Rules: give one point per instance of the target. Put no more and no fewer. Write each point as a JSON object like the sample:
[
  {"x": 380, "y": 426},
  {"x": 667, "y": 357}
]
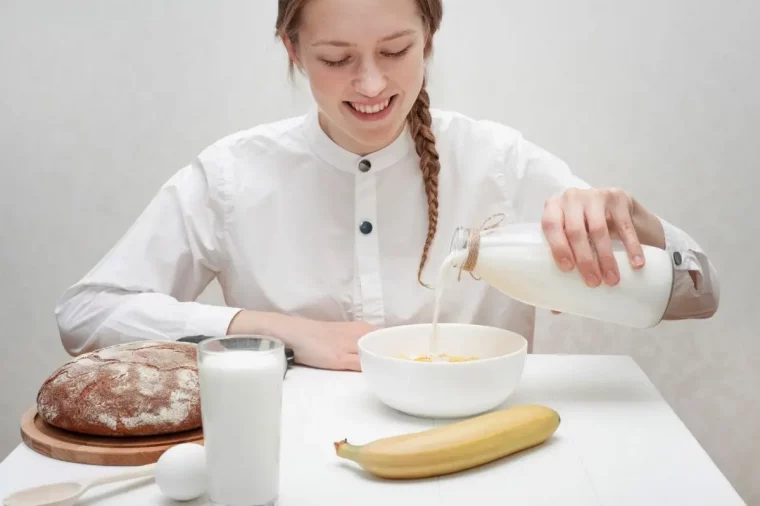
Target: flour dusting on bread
[{"x": 141, "y": 388}]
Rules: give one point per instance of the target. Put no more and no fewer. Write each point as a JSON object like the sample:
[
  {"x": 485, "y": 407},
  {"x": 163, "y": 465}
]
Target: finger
[
  {"x": 553, "y": 225},
  {"x": 621, "y": 215},
  {"x": 596, "y": 219},
  {"x": 575, "y": 229},
  {"x": 350, "y": 361}
]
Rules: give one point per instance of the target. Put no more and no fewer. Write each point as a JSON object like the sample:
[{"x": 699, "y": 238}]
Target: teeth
[{"x": 370, "y": 109}]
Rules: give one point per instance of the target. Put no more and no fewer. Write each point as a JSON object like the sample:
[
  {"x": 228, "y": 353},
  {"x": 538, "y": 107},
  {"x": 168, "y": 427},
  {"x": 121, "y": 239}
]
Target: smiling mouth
[{"x": 377, "y": 111}]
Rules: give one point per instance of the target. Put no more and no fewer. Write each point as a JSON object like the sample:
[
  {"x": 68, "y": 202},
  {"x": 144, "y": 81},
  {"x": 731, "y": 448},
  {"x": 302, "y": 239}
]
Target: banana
[{"x": 456, "y": 446}]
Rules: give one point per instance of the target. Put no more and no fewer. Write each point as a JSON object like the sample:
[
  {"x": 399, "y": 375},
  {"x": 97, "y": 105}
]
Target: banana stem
[{"x": 345, "y": 449}]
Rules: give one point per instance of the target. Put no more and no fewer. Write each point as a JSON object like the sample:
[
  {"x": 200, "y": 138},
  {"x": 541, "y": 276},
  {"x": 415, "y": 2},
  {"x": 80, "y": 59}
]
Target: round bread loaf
[{"x": 134, "y": 389}]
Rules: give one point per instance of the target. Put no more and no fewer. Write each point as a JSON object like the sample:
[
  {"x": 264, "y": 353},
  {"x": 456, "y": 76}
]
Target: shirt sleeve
[
  {"x": 696, "y": 288},
  {"x": 145, "y": 287},
  {"x": 540, "y": 175}
]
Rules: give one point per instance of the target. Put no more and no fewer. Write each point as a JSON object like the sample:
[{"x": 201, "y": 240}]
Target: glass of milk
[{"x": 241, "y": 381}]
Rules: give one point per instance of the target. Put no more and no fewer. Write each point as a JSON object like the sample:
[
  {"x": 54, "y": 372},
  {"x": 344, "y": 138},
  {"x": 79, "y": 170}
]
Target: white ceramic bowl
[{"x": 443, "y": 389}]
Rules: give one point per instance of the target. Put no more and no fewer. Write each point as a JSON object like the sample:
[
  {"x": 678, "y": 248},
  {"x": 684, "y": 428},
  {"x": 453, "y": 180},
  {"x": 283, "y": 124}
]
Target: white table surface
[{"x": 619, "y": 443}]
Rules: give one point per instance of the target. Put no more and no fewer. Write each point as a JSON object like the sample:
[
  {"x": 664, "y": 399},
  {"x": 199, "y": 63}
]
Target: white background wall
[{"x": 100, "y": 102}]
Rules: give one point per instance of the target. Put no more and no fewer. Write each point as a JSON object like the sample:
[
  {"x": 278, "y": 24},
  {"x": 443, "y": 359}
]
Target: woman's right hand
[{"x": 320, "y": 344}]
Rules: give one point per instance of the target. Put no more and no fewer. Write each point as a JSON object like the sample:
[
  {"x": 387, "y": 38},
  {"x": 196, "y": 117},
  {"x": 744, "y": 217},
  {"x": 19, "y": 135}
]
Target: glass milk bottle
[
  {"x": 241, "y": 380},
  {"x": 516, "y": 259}
]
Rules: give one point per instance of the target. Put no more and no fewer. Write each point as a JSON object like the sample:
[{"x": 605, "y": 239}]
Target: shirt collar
[{"x": 343, "y": 159}]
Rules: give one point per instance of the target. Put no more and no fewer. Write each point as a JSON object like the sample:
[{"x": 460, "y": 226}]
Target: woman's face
[{"x": 364, "y": 60}]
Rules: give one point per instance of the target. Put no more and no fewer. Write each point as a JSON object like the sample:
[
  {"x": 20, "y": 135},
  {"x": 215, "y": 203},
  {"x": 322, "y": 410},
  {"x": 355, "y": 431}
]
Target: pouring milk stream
[{"x": 516, "y": 259}]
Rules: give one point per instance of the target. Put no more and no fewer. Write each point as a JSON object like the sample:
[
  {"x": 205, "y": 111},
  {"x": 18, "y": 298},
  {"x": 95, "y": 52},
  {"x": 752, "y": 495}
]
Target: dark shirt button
[
  {"x": 365, "y": 165},
  {"x": 365, "y": 227},
  {"x": 677, "y": 258}
]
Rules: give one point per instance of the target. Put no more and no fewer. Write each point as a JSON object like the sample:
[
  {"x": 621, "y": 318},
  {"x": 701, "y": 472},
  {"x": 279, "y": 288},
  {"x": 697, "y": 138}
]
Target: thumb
[{"x": 351, "y": 362}]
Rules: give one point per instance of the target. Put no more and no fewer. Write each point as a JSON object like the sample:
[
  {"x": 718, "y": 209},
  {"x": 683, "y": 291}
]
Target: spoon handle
[{"x": 138, "y": 472}]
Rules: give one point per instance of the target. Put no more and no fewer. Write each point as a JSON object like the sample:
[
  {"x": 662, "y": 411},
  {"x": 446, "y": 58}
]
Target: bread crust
[{"x": 144, "y": 388}]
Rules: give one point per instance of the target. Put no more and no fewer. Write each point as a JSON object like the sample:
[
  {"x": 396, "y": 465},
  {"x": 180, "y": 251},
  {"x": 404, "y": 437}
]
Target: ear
[{"x": 292, "y": 51}]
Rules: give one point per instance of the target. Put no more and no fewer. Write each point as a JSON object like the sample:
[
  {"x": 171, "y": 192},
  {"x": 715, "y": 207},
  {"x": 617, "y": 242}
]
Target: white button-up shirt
[{"x": 290, "y": 222}]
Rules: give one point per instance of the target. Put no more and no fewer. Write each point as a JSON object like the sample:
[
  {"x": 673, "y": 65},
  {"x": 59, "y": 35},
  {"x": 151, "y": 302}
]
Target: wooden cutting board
[{"x": 68, "y": 446}]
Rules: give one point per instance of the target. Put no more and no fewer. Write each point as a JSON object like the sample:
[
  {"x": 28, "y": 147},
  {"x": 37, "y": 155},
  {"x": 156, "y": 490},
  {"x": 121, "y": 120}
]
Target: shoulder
[
  {"x": 211, "y": 176},
  {"x": 489, "y": 144},
  {"x": 453, "y": 125},
  {"x": 250, "y": 152},
  {"x": 492, "y": 140},
  {"x": 266, "y": 138}
]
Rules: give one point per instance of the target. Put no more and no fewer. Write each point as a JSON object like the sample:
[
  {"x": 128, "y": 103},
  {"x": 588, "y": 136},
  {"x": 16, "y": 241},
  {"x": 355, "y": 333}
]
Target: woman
[{"x": 323, "y": 227}]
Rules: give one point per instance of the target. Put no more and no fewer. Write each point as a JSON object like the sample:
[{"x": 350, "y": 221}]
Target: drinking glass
[{"x": 241, "y": 381}]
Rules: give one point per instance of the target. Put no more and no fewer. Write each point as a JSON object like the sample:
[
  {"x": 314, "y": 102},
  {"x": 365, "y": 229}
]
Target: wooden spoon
[{"x": 67, "y": 493}]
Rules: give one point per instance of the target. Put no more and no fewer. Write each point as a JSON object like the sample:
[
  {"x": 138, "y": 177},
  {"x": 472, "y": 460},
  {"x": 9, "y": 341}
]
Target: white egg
[{"x": 181, "y": 471}]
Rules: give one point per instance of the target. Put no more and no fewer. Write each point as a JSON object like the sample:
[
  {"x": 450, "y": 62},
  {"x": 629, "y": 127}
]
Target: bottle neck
[{"x": 460, "y": 241}]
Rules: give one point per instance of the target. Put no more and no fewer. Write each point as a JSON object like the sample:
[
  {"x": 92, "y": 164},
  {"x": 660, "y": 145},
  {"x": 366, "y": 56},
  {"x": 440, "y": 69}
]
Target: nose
[{"x": 371, "y": 80}]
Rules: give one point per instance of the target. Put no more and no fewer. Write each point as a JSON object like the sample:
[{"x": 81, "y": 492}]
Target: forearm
[
  {"x": 323, "y": 344},
  {"x": 256, "y": 322},
  {"x": 91, "y": 318},
  {"x": 540, "y": 176},
  {"x": 276, "y": 325}
]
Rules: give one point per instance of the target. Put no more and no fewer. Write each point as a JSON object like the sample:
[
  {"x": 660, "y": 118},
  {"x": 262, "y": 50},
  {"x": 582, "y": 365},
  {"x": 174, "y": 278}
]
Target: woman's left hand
[{"x": 579, "y": 225}]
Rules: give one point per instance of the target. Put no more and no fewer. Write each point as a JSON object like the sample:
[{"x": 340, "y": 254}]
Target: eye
[
  {"x": 398, "y": 54},
  {"x": 339, "y": 63}
]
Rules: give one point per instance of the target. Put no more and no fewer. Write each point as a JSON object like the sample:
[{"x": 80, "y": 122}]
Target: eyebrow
[{"x": 340, "y": 43}]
